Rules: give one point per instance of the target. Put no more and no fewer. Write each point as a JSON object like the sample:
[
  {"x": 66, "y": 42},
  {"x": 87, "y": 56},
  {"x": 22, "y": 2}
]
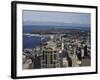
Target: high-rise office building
[
  {"x": 65, "y": 62},
  {"x": 85, "y": 51},
  {"x": 50, "y": 56},
  {"x": 74, "y": 57},
  {"x": 82, "y": 52}
]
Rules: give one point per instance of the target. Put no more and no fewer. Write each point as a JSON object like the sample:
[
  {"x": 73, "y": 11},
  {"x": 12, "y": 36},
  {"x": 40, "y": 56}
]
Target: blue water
[{"x": 32, "y": 42}]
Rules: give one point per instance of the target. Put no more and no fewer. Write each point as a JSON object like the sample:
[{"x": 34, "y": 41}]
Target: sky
[{"x": 31, "y": 16}]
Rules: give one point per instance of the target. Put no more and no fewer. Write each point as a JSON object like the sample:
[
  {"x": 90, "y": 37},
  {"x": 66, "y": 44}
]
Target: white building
[{"x": 65, "y": 62}]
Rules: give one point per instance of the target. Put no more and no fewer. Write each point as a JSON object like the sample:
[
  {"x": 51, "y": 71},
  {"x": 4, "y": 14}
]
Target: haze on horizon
[{"x": 31, "y": 17}]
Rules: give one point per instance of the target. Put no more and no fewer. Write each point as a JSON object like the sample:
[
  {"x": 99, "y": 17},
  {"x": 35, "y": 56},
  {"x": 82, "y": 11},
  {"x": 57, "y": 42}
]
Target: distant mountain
[
  {"x": 56, "y": 24},
  {"x": 42, "y": 26}
]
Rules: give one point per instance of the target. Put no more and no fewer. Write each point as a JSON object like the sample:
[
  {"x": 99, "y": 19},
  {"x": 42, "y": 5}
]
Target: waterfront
[
  {"x": 54, "y": 39},
  {"x": 72, "y": 46},
  {"x": 31, "y": 42}
]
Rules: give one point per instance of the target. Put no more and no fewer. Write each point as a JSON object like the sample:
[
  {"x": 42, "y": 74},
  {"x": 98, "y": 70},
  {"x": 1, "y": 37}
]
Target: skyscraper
[
  {"x": 50, "y": 56},
  {"x": 85, "y": 51}
]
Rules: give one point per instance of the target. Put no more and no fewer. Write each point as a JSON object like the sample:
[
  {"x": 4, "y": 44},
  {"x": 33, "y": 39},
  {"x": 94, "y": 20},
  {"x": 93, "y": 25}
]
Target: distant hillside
[{"x": 54, "y": 26}]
